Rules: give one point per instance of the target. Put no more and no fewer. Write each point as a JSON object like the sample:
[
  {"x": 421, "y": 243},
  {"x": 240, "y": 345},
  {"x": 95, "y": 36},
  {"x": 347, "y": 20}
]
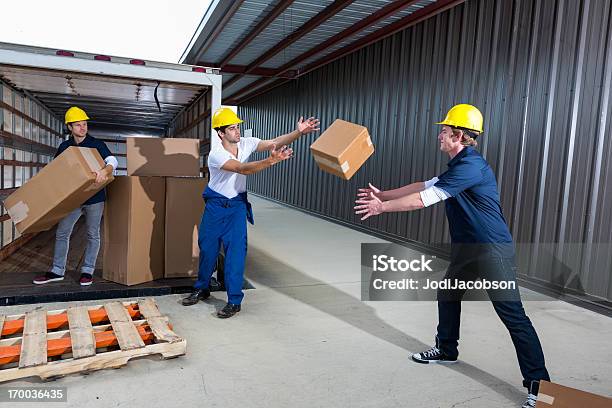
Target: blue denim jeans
[
  {"x": 508, "y": 308},
  {"x": 93, "y": 216}
]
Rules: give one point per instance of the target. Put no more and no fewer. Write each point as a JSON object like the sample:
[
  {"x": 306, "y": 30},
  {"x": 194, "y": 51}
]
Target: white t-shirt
[{"x": 224, "y": 182}]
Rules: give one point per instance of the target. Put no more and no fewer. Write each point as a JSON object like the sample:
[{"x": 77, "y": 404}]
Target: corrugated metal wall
[{"x": 541, "y": 72}]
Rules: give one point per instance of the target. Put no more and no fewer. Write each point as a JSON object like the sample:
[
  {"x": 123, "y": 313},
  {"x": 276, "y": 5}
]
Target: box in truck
[
  {"x": 184, "y": 208},
  {"x": 148, "y": 156},
  {"x": 58, "y": 189},
  {"x": 124, "y": 97},
  {"x": 134, "y": 223}
]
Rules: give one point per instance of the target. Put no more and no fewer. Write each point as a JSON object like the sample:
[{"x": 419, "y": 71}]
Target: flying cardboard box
[
  {"x": 57, "y": 189},
  {"x": 184, "y": 208},
  {"x": 553, "y": 395},
  {"x": 154, "y": 156},
  {"x": 134, "y": 218},
  {"x": 342, "y": 149}
]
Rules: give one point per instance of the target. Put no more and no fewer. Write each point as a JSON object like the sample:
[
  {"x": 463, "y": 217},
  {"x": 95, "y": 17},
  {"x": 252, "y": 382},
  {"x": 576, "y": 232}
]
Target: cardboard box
[
  {"x": 342, "y": 149},
  {"x": 184, "y": 208},
  {"x": 553, "y": 395},
  {"x": 59, "y": 188},
  {"x": 154, "y": 156},
  {"x": 134, "y": 218}
]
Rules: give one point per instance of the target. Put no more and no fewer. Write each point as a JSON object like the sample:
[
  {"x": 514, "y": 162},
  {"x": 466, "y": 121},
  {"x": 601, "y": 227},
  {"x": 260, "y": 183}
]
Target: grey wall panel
[{"x": 541, "y": 72}]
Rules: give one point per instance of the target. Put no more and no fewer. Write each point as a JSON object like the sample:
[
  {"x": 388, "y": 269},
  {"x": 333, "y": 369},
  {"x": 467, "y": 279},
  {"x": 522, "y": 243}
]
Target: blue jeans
[
  {"x": 508, "y": 308},
  {"x": 93, "y": 216}
]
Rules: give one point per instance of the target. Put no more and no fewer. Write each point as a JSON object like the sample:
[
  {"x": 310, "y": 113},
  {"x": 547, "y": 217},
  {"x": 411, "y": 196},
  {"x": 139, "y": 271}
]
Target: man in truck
[
  {"x": 481, "y": 244},
  {"x": 76, "y": 121},
  {"x": 227, "y": 209}
]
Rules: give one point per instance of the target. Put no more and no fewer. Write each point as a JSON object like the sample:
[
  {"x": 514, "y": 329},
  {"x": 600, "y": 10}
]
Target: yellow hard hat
[
  {"x": 224, "y": 117},
  {"x": 464, "y": 116},
  {"x": 75, "y": 114}
]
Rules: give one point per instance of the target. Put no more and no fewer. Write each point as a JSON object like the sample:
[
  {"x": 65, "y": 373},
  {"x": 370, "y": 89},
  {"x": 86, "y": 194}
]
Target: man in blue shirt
[
  {"x": 76, "y": 121},
  {"x": 481, "y": 244}
]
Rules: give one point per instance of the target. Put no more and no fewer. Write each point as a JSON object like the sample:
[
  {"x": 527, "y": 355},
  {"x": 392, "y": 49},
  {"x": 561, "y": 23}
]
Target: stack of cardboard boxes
[{"x": 152, "y": 215}]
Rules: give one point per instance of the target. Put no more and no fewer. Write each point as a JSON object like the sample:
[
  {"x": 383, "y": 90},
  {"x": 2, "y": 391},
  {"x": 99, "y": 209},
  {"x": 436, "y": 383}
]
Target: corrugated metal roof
[
  {"x": 248, "y": 15},
  {"x": 291, "y": 19},
  {"x": 399, "y": 15},
  {"x": 241, "y": 18},
  {"x": 352, "y": 14}
]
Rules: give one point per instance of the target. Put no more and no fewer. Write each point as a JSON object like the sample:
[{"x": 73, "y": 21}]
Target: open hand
[
  {"x": 306, "y": 126},
  {"x": 281, "y": 154},
  {"x": 364, "y": 193},
  {"x": 369, "y": 206}
]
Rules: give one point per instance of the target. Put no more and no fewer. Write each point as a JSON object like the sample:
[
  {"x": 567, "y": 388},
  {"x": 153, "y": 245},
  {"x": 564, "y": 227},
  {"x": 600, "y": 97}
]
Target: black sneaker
[
  {"x": 433, "y": 356},
  {"x": 196, "y": 296},
  {"x": 228, "y": 311},
  {"x": 86, "y": 279},
  {"x": 48, "y": 277},
  {"x": 532, "y": 395},
  {"x": 530, "y": 402}
]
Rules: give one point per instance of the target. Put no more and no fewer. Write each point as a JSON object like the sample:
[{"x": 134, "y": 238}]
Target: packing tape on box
[
  {"x": 18, "y": 212},
  {"x": 370, "y": 141},
  {"x": 546, "y": 399},
  {"x": 344, "y": 167},
  {"x": 90, "y": 159}
]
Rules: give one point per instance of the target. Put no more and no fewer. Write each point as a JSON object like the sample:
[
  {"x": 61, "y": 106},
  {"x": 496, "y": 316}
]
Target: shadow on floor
[{"x": 265, "y": 269}]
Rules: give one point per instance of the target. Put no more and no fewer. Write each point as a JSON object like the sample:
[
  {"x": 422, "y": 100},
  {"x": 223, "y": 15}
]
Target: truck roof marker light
[
  {"x": 63, "y": 53},
  {"x": 102, "y": 58},
  {"x": 198, "y": 69},
  {"x": 137, "y": 62}
]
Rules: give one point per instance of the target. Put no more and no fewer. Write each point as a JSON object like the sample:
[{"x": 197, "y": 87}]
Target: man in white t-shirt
[{"x": 227, "y": 208}]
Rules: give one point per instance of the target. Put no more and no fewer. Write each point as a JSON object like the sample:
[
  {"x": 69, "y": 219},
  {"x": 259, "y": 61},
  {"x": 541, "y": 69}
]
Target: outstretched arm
[
  {"x": 374, "y": 206},
  {"x": 392, "y": 194},
  {"x": 303, "y": 127},
  {"x": 276, "y": 156}
]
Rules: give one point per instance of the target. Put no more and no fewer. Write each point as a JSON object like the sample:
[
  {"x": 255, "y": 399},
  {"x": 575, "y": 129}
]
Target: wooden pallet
[{"x": 81, "y": 339}]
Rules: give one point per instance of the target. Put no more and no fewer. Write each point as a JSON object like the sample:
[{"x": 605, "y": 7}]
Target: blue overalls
[{"x": 224, "y": 221}]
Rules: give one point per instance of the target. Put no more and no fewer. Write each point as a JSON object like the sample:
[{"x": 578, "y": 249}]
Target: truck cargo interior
[{"x": 124, "y": 98}]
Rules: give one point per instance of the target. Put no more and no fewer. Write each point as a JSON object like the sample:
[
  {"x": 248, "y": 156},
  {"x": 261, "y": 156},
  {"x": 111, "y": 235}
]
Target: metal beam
[
  {"x": 402, "y": 24},
  {"x": 220, "y": 26},
  {"x": 259, "y": 91},
  {"x": 307, "y": 27},
  {"x": 93, "y": 99},
  {"x": 247, "y": 88},
  {"x": 117, "y": 109},
  {"x": 276, "y": 11},
  {"x": 241, "y": 69},
  {"x": 374, "y": 18}
]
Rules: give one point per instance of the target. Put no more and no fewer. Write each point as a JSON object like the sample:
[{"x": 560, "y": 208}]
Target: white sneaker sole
[
  {"x": 86, "y": 284},
  {"x": 48, "y": 281},
  {"x": 442, "y": 362}
]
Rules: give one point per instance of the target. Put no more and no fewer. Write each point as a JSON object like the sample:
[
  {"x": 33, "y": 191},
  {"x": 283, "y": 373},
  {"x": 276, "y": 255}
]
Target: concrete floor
[{"x": 305, "y": 339}]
